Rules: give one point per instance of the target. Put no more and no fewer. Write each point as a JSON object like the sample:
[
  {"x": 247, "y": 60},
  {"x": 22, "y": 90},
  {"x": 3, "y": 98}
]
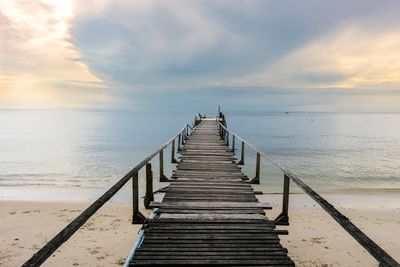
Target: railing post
[
  {"x": 173, "y": 159},
  {"x": 256, "y": 179},
  {"x": 241, "y": 162},
  {"x": 233, "y": 142},
  {"x": 137, "y": 217},
  {"x": 179, "y": 142},
  {"x": 149, "y": 196},
  {"x": 163, "y": 178},
  {"x": 187, "y": 131},
  {"x": 283, "y": 218},
  {"x": 227, "y": 138},
  {"x": 183, "y": 136}
]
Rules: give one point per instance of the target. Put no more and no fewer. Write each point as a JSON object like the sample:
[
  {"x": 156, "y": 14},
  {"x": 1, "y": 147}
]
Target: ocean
[{"x": 77, "y": 154}]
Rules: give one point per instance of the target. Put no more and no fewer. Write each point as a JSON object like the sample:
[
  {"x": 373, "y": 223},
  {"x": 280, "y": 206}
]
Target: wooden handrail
[
  {"x": 374, "y": 249},
  {"x": 39, "y": 257}
]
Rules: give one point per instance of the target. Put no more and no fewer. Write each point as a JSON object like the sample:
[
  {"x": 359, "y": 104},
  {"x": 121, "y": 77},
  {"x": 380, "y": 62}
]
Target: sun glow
[{"x": 37, "y": 55}]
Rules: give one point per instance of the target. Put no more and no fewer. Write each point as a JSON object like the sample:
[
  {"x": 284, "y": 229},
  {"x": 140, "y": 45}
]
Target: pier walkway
[{"x": 209, "y": 214}]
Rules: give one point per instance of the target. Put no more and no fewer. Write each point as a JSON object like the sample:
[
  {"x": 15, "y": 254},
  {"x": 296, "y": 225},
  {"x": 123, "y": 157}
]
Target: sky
[{"x": 310, "y": 55}]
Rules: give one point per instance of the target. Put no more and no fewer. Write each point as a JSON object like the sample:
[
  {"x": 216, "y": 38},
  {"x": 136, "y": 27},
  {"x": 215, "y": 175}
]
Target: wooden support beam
[
  {"x": 149, "y": 197},
  {"x": 179, "y": 142},
  {"x": 183, "y": 139},
  {"x": 241, "y": 162},
  {"x": 256, "y": 179},
  {"x": 137, "y": 216},
  {"x": 173, "y": 159},
  {"x": 283, "y": 218},
  {"x": 163, "y": 178},
  {"x": 233, "y": 142}
]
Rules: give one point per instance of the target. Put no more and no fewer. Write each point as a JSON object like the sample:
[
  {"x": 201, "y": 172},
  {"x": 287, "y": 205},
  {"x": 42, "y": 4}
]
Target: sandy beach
[
  {"x": 314, "y": 238},
  {"x": 105, "y": 240}
]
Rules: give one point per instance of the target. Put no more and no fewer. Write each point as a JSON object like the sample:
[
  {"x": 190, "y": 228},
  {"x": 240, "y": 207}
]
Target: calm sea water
[{"x": 87, "y": 151}]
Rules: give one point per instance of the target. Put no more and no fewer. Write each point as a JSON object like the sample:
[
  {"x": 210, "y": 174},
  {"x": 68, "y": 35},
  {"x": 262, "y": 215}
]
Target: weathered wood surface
[{"x": 209, "y": 214}]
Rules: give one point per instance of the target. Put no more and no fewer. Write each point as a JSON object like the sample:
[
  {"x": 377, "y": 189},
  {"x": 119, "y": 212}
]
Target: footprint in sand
[{"x": 317, "y": 240}]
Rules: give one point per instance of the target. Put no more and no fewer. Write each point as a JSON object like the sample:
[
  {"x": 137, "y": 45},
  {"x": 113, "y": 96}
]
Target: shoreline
[
  {"x": 386, "y": 197},
  {"x": 314, "y": 239}
]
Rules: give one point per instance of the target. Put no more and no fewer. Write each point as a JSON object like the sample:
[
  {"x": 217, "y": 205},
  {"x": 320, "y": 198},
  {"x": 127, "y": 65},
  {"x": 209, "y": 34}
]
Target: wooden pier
[{"x": 209, "y": 214}]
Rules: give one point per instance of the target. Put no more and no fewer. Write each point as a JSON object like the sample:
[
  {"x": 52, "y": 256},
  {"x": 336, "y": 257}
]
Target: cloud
[
  {"x": 70, "y": 52},
  {"x": 198, "y": 43},
  {"x": 352, "y": 57}
]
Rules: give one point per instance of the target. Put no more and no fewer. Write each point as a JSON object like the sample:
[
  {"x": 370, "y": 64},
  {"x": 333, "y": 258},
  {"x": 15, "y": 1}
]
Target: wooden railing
[
  {"x": 137, "y": 217},
  {"x": 375, "y": 250}
]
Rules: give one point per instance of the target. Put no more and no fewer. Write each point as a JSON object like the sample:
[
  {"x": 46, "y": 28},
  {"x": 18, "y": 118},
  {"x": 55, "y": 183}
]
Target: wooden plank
[
  {"x": 208, "y": 231},
  {"x": 209, "y": 242},
  {"x": 212, "y": 245},
  {"x": 208, "y": 185},
  {"x": 209, "y": 199},
  {"x": 213, "y": 262},
  {"x": 212, "y": 253},
  {"x": 212, "y": 226},
  {"x": 215, "y": 211},
  {"x": 177, "y": 256},
  {"x": 210, "y": 192},
  {"x": 200, "y": 205},
  {"x": 214, "y": 249},
  {"x": 206, "y": 237}
]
